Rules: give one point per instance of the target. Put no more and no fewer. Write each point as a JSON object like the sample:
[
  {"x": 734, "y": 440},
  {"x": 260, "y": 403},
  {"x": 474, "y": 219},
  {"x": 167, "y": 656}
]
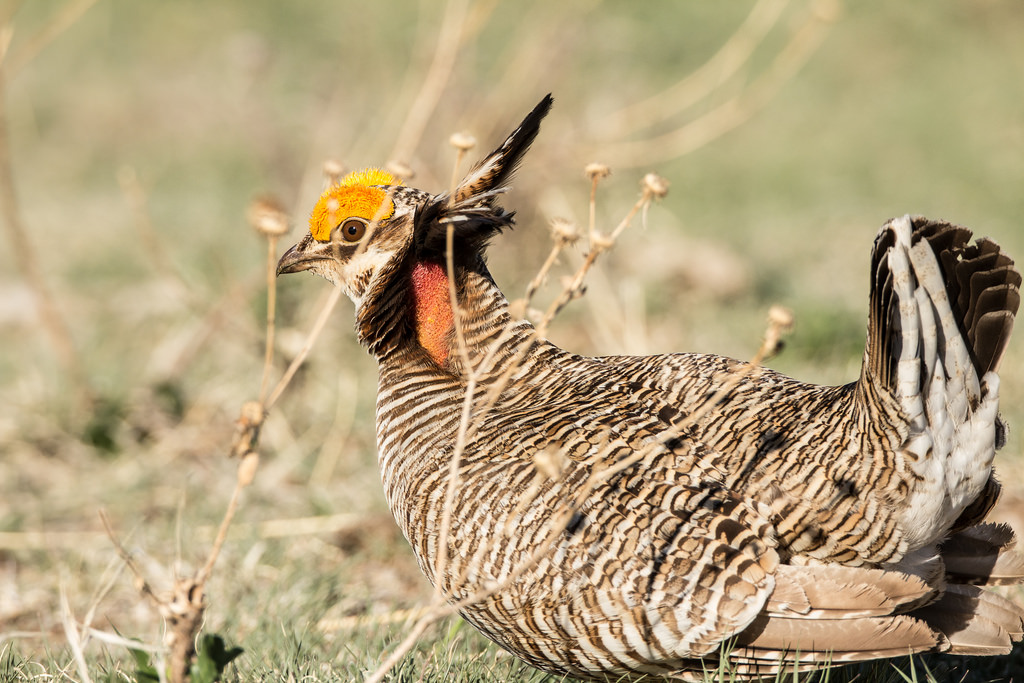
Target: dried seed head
[
  {"x": 550, "y": 462},
  {"x": 462, "y": 141},
  {"x": 400, "y": 169},
  {"x": 247, "y": 428},
  {"x": 780, "y": 321},
  {"x": 655, "y": 185},
  {"x": 333, "y": 170},
  {"x": 601, "y": 242},
  {"x": 780, "y": 317},
  {"x": 247, "y": 468},
  {"x": 564, "y": 231},
  {"x": 517, "y": 309},
  {"x": 267, "y": 216},
  {"x": 252, "y": 412},
  {"x": 596, "y": 171}
]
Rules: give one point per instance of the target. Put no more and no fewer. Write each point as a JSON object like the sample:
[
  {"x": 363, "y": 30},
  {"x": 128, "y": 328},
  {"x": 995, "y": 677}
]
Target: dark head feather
[{"x": 470, "y": 210}]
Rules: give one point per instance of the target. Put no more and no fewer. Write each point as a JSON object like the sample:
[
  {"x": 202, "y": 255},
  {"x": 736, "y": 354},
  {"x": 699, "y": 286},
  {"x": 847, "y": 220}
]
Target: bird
[{"x": 629, "y": 516}]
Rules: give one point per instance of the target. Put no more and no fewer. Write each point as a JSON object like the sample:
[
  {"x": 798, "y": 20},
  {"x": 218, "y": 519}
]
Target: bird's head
[
  {"x": 385, "y": 243},
  {"x": 358, "y": 226}
]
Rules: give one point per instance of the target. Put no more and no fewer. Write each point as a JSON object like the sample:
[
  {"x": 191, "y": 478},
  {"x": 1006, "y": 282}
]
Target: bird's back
[{"x": 639, "y": 520}]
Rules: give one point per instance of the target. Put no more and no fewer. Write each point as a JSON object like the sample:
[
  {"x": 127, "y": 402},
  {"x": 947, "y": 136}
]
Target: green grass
[{"x": 903, "y": 109}]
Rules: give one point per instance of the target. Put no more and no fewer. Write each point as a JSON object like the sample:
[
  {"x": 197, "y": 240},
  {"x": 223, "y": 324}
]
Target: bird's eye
[{"x": 352, "y": 230}]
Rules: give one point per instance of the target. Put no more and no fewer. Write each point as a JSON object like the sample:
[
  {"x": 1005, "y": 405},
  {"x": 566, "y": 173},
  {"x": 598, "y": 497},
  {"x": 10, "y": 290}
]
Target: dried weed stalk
[
  {"x": 183, "y": 608},
  {"x": 267, "y": 216}
]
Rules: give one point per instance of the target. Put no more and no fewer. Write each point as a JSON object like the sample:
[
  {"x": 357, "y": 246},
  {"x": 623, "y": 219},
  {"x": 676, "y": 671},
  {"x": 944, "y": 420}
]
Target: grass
[{"x": 209, "y": 106}]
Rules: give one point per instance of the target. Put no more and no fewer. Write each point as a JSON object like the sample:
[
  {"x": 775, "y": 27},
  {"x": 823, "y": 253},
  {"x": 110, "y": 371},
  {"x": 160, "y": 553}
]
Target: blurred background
[{"x": 138, "y": 134}]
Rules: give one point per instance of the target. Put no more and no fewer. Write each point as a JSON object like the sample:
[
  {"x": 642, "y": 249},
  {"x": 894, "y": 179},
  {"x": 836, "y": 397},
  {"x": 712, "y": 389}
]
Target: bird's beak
[{"x": 302, "y": 256}]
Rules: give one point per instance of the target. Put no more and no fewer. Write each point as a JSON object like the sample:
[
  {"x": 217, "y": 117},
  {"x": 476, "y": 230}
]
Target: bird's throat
[{"x": 432, "y": 309}]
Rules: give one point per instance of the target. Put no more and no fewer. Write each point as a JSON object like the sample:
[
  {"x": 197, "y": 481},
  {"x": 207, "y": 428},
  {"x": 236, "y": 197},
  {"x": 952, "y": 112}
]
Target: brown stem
[{"x": 268, "y": 357}]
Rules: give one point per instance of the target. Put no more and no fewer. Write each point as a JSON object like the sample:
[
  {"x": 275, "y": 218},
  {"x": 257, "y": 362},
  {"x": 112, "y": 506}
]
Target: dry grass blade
[
  {"x": 6, "y": 36},
  {"x": 464, "y": 421},
  {"x": 16, "y": 541},
  {"x": 81, "y": 541},
  {"x": 399, "y": 616},
  {"x": 269, "y": 219},
  {"x": 74, "y": 638},
  {"x": 410, "y": 640}
]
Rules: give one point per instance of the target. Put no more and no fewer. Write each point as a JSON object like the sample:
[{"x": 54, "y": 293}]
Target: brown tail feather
[
  {"x": 838, "y": 640},
  {"x": 828, "y": 613},
  {"x": 983, "y": 282},
  {"x": 839, "y": 614},
  {"x": 983, "y": 555},
  {"x": 833, "y": 591},
  {"x": 974, "y": 621},
  {"x": 976, "y": 513}
]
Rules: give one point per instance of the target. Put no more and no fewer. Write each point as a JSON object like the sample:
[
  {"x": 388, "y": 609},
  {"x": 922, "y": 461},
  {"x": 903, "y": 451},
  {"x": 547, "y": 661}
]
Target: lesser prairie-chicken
[{"x": 601, "y": 526}]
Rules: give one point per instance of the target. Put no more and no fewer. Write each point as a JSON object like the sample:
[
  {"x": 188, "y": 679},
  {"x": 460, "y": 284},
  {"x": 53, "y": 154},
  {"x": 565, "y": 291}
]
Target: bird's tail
[{"x": 941, "y": 313}]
